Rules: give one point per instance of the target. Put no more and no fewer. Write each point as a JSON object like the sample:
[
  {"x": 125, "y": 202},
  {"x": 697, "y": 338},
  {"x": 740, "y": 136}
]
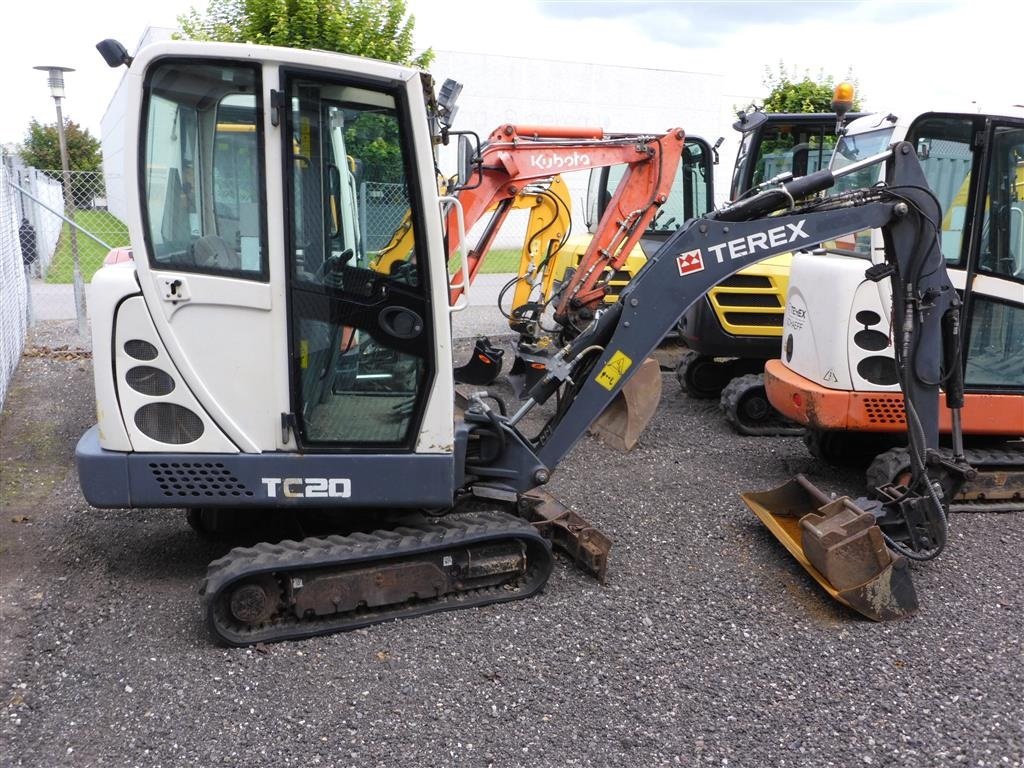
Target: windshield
[{"x": 852, "y": 148}]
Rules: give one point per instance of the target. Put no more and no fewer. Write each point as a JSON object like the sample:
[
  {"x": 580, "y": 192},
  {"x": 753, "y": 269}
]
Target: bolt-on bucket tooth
[
  {"x": 632, "y": 409},
  {"x": 840, "y": 546},
  {"x": 484, "y": 364}
]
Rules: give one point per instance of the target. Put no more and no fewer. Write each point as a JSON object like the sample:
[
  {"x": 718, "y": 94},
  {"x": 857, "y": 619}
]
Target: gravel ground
[{"x": 707, "y": 645}]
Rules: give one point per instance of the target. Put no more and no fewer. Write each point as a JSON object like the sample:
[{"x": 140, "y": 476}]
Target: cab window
[{"x": 202, "y": 169}]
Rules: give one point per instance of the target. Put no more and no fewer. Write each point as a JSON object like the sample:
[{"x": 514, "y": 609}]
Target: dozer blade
[
  {"x": 568, "y": 531},
  {"x": 484, "y": 364},
  {"x": 625, "y": 418},
  {"x": 840, "y": 545}
]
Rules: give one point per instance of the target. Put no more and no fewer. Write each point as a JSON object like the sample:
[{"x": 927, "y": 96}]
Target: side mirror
[
  {"x": 468, "y": 160},
  {"x": 801, "y": 154},
  {"x": 748, "y": 121},
  {"x": 113, "y": 53}
]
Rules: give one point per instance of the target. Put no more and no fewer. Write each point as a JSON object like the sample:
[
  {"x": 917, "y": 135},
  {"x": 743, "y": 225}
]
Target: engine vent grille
[
  {"x": 747, "y": 300},
  {"x": 197, "y": 479},
  {"x": 879, "y": 370},
  {"x": 884, "y": 410},
  {"x": 140, "y": 350},
  {"x": 169, "y": 423},
  {"x": 746, "y": 281},
  {"x": 149, "y": 380},
  {"x": 766, "y": 319}
]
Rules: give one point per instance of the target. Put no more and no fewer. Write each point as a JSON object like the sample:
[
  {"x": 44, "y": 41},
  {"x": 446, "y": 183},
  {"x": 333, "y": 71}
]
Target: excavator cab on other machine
[
  {"x": 217, "y": 351},
  {"x": 837, "y": 373}
]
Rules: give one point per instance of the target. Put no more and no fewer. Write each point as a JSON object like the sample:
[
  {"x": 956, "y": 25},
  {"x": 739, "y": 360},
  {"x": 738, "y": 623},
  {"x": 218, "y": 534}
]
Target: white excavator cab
[{"x": 266, "y": 184}]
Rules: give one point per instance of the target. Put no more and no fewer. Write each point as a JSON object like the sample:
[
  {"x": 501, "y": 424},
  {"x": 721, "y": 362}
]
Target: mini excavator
[{"x": 249, "y": 357}]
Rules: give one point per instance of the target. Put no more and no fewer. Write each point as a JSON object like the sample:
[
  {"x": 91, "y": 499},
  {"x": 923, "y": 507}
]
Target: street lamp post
[{"x": 56, "y": 83}]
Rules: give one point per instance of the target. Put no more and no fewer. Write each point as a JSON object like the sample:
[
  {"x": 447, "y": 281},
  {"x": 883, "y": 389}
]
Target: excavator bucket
[
  {"x": 840, "y": 546},
  {"x": 625, "y": 418},
  {"x": 484, "y": 364}
]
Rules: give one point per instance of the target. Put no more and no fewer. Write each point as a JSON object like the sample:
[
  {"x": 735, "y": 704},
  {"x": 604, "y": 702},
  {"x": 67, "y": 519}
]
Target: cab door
[
  {"x": 362, "y": 346},
  {"x": 994, "y": 359}
]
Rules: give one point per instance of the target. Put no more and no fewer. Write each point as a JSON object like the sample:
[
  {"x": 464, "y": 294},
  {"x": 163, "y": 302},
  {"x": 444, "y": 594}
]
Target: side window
[
  {"x": 793, "y": 148},
  {"x": 1002, "y": 235},
  {"x": 687, "y": 197},
  {"x": 995, "y": 351},
  {"x": 944, "y": 149},
  {"x": 202, "y": 170}
]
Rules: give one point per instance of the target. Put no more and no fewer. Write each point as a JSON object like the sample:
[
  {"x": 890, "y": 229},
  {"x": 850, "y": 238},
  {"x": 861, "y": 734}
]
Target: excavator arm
[
  {"x": 592, "y": 369},
  {"x": 516, "y": 155}
]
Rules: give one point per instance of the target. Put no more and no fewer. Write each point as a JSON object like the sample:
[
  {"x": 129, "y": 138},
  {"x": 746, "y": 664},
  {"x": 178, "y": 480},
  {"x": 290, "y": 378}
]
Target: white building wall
[
  {"x": 504, "y": 89},
  {"x": 112, "y": 128}
]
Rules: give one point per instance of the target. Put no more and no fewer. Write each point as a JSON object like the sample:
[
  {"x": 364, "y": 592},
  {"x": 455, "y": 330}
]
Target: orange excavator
[{"x": 496, "y": 174}]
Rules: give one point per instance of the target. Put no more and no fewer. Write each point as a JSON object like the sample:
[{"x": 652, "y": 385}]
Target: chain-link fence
[
  {"x": 13, "y": 286},
  {"x": 49, "y": 231},
  {"x": 60, "y": 230},
  {"x": 85, "y": 229}
]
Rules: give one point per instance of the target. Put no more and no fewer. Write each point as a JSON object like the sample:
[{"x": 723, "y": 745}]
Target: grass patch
[
  {"x": 499, "y": 261},
  {"x": 112, "y": 230},
  {"x": 91, "y": 254}
]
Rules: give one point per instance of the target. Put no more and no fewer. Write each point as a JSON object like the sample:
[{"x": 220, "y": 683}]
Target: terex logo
[
  {"x": 759, "y": 241},
  {"x": 557, "y": 162},
  {"x": 308, "y": 487}
]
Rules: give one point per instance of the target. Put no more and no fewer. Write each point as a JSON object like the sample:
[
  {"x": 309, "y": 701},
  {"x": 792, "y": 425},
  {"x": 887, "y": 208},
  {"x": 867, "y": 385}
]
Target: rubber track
[
  {"x": 888, "y": 465},
  {"x": 776, "y": 425},
  {"x": 457, "y": 530}
]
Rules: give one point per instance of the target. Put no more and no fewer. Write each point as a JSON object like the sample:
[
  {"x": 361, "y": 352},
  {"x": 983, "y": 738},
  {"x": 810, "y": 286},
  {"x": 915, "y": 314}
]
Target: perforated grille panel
[
  {"x": 884, "y": 410},
  {"x": 197, "y": 479},
  {"x": 140, "y": 350},
  {"x": 149, "y": 380},
  {"x": 169, "y": 423}
]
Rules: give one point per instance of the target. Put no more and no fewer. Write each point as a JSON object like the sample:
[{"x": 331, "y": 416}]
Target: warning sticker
[
  {"x": 613, "y": 370},
  {"x": 691, "y": 261}
]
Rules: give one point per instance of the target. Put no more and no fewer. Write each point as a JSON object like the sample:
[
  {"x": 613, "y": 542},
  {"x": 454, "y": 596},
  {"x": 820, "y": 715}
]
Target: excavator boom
[{"x": 514, "y": 156}]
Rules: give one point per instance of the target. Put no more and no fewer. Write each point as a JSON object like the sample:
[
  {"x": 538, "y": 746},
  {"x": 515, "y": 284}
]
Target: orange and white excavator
[
  {"x": 518, "y": 166},
  {"x": 837, "y": 372}
]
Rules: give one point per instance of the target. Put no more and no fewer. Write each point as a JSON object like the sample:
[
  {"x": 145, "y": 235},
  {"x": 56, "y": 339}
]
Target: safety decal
[
  {"x": 613, "y": 370},
  {"x": 691, "y": 261}
]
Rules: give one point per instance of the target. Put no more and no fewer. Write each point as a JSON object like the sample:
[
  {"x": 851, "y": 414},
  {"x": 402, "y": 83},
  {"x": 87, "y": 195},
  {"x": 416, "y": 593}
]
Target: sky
[{"x": 903, "y": 55}]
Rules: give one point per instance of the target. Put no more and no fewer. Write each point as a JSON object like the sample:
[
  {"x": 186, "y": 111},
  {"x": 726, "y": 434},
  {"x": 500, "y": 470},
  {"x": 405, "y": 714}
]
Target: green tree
[
  {"x": 377, "y": 29},
  {"x": 42, "y": 148},
  {"x": 786, "y": 93}
]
